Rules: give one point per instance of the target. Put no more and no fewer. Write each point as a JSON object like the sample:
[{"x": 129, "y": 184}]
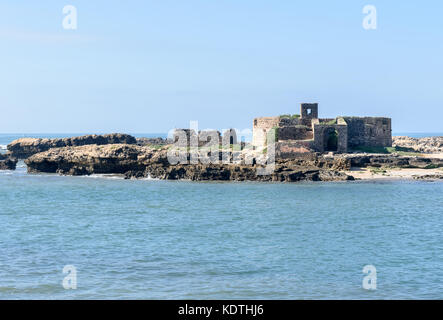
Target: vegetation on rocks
[
  {"x": 289, "y": 116},
  {"x": 388, "y": 150}
]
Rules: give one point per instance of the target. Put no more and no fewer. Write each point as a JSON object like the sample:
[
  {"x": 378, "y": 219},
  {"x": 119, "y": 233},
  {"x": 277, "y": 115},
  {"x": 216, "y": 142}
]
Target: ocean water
[
  {"x": 419, "y": 134},
  {"x": 150, "y": 239}
]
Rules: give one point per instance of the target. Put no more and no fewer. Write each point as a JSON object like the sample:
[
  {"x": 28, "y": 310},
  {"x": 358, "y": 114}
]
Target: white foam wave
[
  {"x": 105, "y": 176},
  {"x": 149, "y": 178},
  {"x": 3, "y": 147}
]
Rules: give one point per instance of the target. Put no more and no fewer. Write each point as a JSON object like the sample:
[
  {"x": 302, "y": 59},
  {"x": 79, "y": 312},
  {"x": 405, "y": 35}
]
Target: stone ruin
[
  {"x": 298, "y": 134},
  {"x": 188, "y": 137}
]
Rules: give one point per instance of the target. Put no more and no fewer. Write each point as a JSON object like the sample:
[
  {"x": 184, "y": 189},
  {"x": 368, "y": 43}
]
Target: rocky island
[
  {"x": 146, "y": 161},
  {"x": 26, "y": 147},
  {"x": 296, "y": 148}
]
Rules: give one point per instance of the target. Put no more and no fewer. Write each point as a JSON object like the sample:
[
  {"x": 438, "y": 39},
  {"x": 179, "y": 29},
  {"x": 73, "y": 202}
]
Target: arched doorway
[{"x": 331, "y": 140}]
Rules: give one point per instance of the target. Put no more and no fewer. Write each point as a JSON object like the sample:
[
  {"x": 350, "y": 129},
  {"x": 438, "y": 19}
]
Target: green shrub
[
  {"x": 387, "y": 150},
  {"x": 432, "y": 166},
  {"x": 289, "y": 116}
]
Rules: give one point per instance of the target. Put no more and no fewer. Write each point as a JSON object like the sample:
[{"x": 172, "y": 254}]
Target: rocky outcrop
[
  {"x": 26, "y": 147},
  {"x": 284, "y": 172},
  {"x": 425, "y": 145},
  {"x": 89, "y": 159},
  {"x": 202, "y": 172},
  {"x": 142, "y": 161},
  {"x": 428, "y": 177},
  {"x": 153, "y": 141},
  {"x": 392, "y": 161},
  {"x": 7, "y": 162}
]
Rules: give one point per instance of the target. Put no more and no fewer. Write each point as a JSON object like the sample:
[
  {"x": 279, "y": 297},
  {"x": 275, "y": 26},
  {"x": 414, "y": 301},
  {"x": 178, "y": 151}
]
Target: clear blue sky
[{"x": 149, "y": 66}]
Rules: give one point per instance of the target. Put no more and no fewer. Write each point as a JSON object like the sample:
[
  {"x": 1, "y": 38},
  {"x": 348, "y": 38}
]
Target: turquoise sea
[{"x": 149, "y": 239}]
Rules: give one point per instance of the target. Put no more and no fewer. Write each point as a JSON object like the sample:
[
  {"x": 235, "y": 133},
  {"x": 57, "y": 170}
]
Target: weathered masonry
[{"x": 307, "y": 132}]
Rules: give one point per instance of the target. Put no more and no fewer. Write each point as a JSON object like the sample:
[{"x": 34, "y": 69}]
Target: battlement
[{"x": 338, "y": 134}]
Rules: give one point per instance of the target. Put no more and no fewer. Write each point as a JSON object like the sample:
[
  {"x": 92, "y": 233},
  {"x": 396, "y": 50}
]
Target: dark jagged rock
[
  {"x": 26, "y": 147},
  {"x": 213, "y": 172},
  {"x": 428, "y": 177},
  {"x": 85, "y": 160},
  {"x": 140, "y": 161},
  {"x": 393, "y": 161},
  {"x": 7, "y": 162}
]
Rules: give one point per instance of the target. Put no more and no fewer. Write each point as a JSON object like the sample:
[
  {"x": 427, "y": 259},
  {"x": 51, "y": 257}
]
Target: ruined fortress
[{"x": 307, "y": 132}]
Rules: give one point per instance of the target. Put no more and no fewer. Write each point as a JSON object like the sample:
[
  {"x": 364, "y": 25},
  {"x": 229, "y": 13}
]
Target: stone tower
[{"x": 309, "y": 111}]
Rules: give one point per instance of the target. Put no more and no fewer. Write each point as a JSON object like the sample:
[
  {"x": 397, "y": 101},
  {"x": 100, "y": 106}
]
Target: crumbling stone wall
[
  {"x": 298, "y": 132},
  {"x": 229, "y": 137},
  {"x": 290, "y": 122},
  {"x": 293, "y": 149},
  {"x": 369, "y": 131},
  {"x": 321, "y": 133},
  {"x": 204, "y": 138},
  {"x": 345, "y": 132},
  {"x": 185, "y": 137},
  {"x": 209, "y": 138},
  {"x": 261, "y": 127}
]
